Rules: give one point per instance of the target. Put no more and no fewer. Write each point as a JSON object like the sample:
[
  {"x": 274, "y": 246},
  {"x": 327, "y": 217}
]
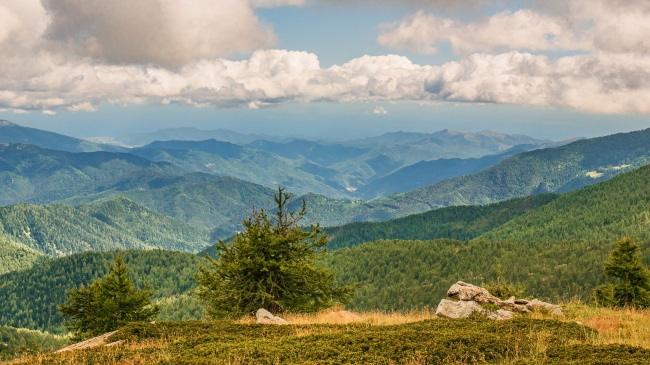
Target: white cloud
[
  {"x": 522, "y": 30},
  {"x": 165, "y": 32},
  {"x": 379, "y": 110},
  {"x": 600, "y": 83},
  {"x": 60, "y": 68},
  {"x": 617, "y": 26}
]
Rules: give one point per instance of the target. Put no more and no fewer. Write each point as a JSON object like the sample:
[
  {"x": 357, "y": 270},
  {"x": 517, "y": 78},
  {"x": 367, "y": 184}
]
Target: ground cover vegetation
[{"x": 437, "y": 341}]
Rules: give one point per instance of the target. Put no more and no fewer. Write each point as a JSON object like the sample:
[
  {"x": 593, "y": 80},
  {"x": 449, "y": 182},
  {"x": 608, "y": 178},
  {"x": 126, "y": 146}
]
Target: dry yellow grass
[
  {"x": 626, "y": 326},
  {"x": 340, "y": 316}
]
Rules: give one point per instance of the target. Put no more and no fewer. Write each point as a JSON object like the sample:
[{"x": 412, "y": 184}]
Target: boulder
[
  {"x": 465, "y": 299},
  {"x": 467, "y": 292},
  {"x": 265, "y": 317},
  {"x": 458, "y": 309},
  {"x": 93, "y": 342}
]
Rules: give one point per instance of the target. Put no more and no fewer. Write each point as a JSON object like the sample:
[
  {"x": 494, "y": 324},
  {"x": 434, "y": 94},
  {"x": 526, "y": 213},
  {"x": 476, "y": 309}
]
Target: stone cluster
[{"x": 464, "y": 300}]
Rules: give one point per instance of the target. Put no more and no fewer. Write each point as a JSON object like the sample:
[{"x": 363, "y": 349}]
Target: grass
[{"x": 586, "y": 335}]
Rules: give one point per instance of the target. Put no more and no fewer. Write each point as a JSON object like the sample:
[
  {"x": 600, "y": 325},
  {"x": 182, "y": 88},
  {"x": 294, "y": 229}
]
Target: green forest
[
  {"x": 460, "y": 223},
  {"x": 31, "y": 296}
]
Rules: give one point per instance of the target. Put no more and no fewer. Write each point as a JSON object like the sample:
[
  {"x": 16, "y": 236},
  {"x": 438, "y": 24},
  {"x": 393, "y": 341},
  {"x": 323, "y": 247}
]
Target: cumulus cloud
[
  {"x": 165, "y": 32},
  {"x": 592, "y": 83}
]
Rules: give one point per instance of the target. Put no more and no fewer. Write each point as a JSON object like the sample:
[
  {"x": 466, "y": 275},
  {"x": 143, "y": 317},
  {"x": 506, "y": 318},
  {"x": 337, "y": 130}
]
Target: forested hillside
[
  {"x": 252, "y": 165},
  {"x": 30, "y": 296},
  {"x": 14, "y": 341},
  {"x": 31, "y": 174},
  {"x": 602, "y": 212},
  {"x": 403, "y": 275},
  {"x": 460, "y": 223},
  {"x": 16, "y": 256},
  {"x": 202, "y": 200},
  {"x": 425, "y": 173},
  {"x": 58, "y": 229}
]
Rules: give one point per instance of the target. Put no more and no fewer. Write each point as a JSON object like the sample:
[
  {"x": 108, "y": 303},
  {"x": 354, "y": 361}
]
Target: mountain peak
[{"x": 6, "y": 123}]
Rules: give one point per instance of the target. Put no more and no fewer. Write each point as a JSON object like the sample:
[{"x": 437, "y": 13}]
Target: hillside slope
[
  {"x": 249, "y": 164},
  {"x": 33, "y": 174},
  {"x": 601, "y": 212},
  {"x": 461, "y": 223},
  {"x": 425, "y": 173},
  {"x": 202, "y": 200},
  {"x": 14, "y": 133},
  {"x": 16, "y": 256},
  {"x": 57, "y": 229}
]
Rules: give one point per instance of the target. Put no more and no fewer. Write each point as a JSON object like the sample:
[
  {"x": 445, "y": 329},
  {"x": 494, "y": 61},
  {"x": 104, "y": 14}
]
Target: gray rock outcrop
[
  {"x": 464, "y": 300},
  {"x": 265, "y": 317}
]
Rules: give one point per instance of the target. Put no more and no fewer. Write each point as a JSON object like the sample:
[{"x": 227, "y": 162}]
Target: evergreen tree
[
  {"x": 633, "y": 288},
  {"x": 107, "y": 303},
  {"x": 272, "y": 264}
]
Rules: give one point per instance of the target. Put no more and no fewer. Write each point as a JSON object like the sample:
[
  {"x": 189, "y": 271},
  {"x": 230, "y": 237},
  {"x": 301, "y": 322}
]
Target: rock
[
  {"x": 553, "y": 309},
  {"x": 116, "y": 343},
  {"x": 93, "y": 342},
  {"x": 467, "y": 292},
  {"x": 343, "y": 316},
  {"x": 467, "y": 300},
  {"x": 502, "y": 314},
  {"x": 265, "y": 317},
  {"x": 458, "y": 309}
]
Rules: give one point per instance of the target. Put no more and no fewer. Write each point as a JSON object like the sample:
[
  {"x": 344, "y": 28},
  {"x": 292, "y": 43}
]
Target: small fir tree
[
  {"x": 107, "y": 303},
  {"x": 272, "y": 264},
  {"x": 633, "y": 287}
]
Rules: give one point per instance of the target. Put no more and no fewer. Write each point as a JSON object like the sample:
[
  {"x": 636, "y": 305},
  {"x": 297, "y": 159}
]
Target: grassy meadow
[{"x": 585, "y": 335}]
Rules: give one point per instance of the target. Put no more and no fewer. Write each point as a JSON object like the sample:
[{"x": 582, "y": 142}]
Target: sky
[{"x": 326, "y": 68}]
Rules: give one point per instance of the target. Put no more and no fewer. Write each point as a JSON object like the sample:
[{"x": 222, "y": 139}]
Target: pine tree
[
  {"x": 633, "y": 287},
  {"x": 272, "y": 264},
  {"x": 107, "y": 303}
]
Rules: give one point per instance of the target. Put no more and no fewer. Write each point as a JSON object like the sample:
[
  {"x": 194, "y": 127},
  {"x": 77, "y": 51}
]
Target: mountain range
[
  {"x": 398, "y": 274},
  {"x": 333, "y": 169},
  {"x": 558, "y": 169}
]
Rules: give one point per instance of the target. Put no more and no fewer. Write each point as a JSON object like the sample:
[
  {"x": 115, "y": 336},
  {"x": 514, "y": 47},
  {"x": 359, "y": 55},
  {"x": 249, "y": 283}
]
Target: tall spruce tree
[
  {"x": 107, "y": 303},
  {"x": 272, "y": 264},
  {"x": 633, "y": 287}
]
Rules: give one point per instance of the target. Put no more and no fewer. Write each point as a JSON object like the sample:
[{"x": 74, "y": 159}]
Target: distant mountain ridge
[
  {"x": 193, "y": 134},
  {"x": 558, "y": 169},
  {"x": 14, "y": 133},
  {"x": 335, "y": 169}
]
